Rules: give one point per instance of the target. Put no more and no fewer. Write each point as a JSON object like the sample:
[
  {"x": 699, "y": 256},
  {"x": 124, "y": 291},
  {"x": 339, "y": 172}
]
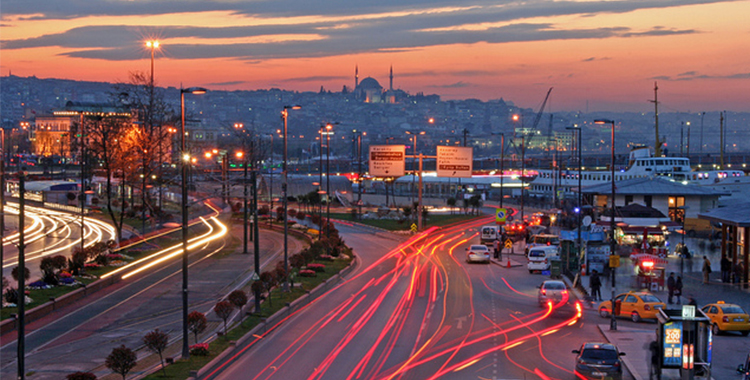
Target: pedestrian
[
  {"x": 726, "y": 267},
  {"x": 706, "y": 269},
  {"x": 496, "y": 246},
  {"x": 595, "y": 284},
  {"x": 739, "y": 271},
  {"x": 670, "y": 287},
  {"x": 678, "y": 289},
  {"x": 655, "y": 351}
]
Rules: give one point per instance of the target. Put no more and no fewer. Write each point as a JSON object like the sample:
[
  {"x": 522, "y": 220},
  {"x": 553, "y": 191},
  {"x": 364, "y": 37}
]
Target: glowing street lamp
[
  {"x": 612, "y": 247},
  {"x": 185, "y": 161},
  {"x": 284, "y": 117}
]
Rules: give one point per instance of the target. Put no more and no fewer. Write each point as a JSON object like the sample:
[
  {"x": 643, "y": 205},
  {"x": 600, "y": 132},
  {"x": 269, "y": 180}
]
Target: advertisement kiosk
[{"x": 684, "y": 342}]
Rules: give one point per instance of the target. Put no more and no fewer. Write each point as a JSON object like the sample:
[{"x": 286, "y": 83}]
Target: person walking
[
  {"x": 678, "y": 289},
  {"x": 496, "y": 246},
  {"x": 596, "y": 285},
  {"x": 670, "y": 287},
  {"x": 706, "y": 269},
  {"x": 726, "y": 267}
]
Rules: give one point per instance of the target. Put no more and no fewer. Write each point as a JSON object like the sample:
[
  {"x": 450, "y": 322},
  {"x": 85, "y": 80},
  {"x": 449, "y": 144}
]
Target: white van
[
  {"x": 488, "y": 234},
  {"x": 539, "y": 257}
]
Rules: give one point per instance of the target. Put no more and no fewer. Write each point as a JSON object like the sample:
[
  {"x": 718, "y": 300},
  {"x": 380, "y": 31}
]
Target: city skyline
[{"x": 598, "y": 55}]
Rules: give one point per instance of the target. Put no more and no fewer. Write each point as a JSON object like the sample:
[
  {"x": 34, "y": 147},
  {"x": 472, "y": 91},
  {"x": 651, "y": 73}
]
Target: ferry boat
[{"x": 641, "y": 163}]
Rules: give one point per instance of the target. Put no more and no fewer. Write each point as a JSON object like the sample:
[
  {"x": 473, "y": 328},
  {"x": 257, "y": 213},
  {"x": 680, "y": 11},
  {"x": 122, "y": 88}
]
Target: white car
[
  {"x": 478, "y": 253},
  {"x": 554, "y": 291}
]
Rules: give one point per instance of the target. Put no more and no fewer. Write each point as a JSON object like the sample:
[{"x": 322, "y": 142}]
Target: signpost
[
  {"x": 500, "y": 215},
  {"x": 387, "y": 160},
  {"x": 454, "y": 161}
]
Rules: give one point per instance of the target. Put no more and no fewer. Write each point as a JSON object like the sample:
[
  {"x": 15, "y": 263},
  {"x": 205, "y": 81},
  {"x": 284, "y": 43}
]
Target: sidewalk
[{"x": 634, "y": 341}]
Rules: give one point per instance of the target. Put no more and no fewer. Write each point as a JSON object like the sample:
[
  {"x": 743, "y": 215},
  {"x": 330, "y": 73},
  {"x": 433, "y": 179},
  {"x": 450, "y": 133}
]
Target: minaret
[
  {"x": 356, "y": 76},
  {"x": 391, "y": 87}
]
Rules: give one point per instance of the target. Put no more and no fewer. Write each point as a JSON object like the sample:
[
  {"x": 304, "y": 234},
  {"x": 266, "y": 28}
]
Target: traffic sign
[
  {"x": 500, "y": 215},
  {"x": 254, "y": 277},
  {"x": 387, "y": 160},
  {"x": 454, "y": 161},
  {"x": 413, "y": 227},
  {"x": 509, "y": 243}
]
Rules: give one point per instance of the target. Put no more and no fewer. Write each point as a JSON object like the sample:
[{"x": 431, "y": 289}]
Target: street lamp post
[
  {"x": 328, "y": 184},
  {"x": 359, "y": 170},
  {"x": 578, "y": 131},
  {"x": 419, "y": 205},
  {"x": 284, "y": 117},
  {"x": 153, "y": 45},
  {"x": 682, "y": 256},
  {"x": 185, "y": 161},
  {"x": 612, "y": 247}
]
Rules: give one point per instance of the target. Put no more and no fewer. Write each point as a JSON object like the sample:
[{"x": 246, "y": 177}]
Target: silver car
[
  {"x": 478, "y": 253},
  {"x": 553, "y": 291}
]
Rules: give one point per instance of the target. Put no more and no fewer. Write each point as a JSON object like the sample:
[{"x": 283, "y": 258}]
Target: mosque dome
[{"x": 369, "y": 83}]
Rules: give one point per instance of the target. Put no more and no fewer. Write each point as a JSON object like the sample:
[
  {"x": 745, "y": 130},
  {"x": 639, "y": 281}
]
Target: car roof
[
  {"x": 553, "y": 282},
  {"x": 599, "y": 345}
]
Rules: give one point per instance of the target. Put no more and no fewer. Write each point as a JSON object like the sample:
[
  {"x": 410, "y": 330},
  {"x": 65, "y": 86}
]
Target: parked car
[
  {"x": 598, "y": 361},
  {"x": 478, "y": 253},
  {"x": 634, "y": 305},
  {"x": 539, "y": 258},
  {"x": 727, "y": 317}
]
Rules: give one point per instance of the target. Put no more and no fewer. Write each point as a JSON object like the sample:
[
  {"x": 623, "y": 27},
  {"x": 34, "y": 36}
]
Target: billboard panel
[
  {"x": 454, "y": 161},
  {"x": 387, "y": 160}
]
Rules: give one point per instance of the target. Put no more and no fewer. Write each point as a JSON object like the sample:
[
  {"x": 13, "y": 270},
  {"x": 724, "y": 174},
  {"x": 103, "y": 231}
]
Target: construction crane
[{"x": 532, "y": 131}]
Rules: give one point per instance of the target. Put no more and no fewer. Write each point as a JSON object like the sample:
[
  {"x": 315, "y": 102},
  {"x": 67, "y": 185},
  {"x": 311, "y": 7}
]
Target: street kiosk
[{"x": 684, "y": 342}]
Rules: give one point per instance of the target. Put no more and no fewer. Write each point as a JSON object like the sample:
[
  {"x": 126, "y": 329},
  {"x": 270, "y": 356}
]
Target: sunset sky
[{"x": 598, "y": 55}]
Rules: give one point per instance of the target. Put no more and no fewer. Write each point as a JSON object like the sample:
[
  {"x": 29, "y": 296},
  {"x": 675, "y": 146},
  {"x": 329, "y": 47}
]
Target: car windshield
[
  {"x": 536, "y": 253},
  {"x": 554, "y": 285},
  {"x": 732, "y": 309},
  {"x": 649, "y": 298},
  {"x": 599, "y": 354}
]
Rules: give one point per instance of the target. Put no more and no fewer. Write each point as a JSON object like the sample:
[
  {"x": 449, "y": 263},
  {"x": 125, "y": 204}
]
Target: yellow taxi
[
  {"x": 634, "y": 305},
  {"x": 727, "y": 317}
]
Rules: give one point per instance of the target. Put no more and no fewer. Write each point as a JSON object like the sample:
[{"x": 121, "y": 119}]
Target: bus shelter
[{"x": 684, "y": 342}]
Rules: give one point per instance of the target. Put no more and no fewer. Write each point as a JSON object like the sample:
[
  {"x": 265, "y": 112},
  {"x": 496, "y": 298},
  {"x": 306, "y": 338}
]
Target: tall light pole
[
  {"x": 329, "y": 128},
  {"x": 284, "y": 117},
  {"x": 270, "y": 189},
  {"x": 185, "y": 161},
  {"x": 153, "y": 45},
  {"x": 682, "y": 256},
  {"x": 414, "y": 137},
  {"x": 612, "y": 246},
  {"x": 578, "y": 131},
  {"x": 359, "y": 135}
]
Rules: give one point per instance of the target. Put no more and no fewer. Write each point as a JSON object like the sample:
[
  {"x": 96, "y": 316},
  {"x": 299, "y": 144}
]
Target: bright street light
[{"x": 186, "y": 156}]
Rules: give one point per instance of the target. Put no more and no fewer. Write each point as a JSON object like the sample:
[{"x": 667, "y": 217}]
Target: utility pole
[{"x": 21, "y": 345}]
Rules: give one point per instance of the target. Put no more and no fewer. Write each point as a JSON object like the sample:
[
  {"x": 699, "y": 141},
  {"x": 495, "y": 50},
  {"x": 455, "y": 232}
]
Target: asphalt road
[
  {"x": 80, "y": 337},
  {"x": 419, "y": 311}
]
